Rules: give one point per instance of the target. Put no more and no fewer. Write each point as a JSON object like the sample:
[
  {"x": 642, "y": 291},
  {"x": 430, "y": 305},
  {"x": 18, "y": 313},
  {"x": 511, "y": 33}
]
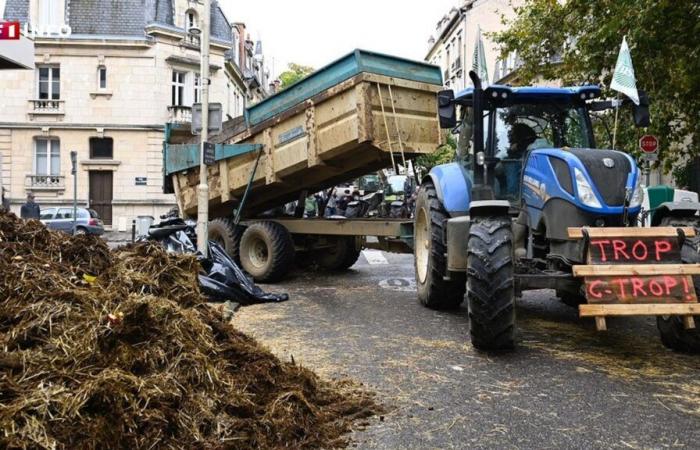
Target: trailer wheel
[
  {"x": 342, "y": 255},
  {"x": 673, "y": 333},
  {"x": 434, "y": 291},
  {"x": 266, "y": 251},
  {"x": 490, "y": 286},
  {"x": 223, "y": 232}
]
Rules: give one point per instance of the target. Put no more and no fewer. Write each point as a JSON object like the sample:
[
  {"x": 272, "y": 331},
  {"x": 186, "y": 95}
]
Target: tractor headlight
[
  {"x": 638, "y": 195},
  {"x": 585, "y": 191}
]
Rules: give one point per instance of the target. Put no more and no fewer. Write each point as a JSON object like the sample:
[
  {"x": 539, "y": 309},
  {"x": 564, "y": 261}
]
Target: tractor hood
[{"x": 611, "y": 175}]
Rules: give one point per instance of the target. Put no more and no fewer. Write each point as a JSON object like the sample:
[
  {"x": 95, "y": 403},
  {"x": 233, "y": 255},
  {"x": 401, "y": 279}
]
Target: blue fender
[{"x": 453, "y": 186}]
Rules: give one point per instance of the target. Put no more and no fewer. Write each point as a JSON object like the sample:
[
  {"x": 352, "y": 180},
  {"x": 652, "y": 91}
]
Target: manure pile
[{"x": 102, "y": 349}]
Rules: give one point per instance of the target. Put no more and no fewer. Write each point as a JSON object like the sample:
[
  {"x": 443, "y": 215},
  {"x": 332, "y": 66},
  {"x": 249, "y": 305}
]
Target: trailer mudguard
[{"x": 453, "y": 185}]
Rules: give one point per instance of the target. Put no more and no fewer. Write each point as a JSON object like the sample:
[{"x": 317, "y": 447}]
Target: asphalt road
[{"x": 565, "y": 386}]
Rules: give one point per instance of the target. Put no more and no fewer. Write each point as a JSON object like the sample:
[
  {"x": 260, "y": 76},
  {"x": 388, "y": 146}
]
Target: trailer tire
[
  {"x": 223, "y": 232},
  {"x": 430, "y": 263},
  {"x": 266, "y": 251},
  {"x": 341, "y": 256},
  {"x": 673, "y": 333},
  {"x": 490, "y": 285}
]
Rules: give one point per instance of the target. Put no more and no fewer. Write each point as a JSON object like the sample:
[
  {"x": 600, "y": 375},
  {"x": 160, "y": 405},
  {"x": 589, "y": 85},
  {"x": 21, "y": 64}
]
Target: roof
[
  {"x": 120, "y": 18},
  {"x": 531, "y": 94}
]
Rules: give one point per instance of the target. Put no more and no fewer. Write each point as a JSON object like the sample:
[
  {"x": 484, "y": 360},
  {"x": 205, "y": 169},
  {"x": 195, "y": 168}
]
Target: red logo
[
  {"x": 648, "y": 144},
  {"x": 9, "y": 30}
]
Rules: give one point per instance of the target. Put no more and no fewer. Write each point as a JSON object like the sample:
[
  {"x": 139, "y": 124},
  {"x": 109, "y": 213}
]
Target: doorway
[{"x": 100, "y": 194}]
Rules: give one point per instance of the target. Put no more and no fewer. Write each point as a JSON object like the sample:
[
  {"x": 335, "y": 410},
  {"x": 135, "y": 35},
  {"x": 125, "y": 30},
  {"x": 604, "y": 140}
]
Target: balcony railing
[
  {"x": 179, "y": 114},
  {"x": 191, "y": 40},
  {"x": 48, "y": 182},
  {"x": 46, "y": 107},
  {"x": 457, "y": 64}
]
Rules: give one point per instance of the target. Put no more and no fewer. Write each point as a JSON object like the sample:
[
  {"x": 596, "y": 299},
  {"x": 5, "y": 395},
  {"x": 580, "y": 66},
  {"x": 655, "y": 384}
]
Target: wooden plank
[
  {"x": 688, "y": 322},
  {"x": 640, "y": 289},
  {"x": 634, "y": 250},
  {"x": 600, "y": 324},
  {"x": 639, "y": 310},
  {"x": 577, "y": 232},
  {"x": 636, "y": 269}
]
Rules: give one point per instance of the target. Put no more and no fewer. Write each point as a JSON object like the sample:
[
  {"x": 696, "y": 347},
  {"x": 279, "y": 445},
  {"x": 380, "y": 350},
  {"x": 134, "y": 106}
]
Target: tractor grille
[{"x": 610, "y": 182}]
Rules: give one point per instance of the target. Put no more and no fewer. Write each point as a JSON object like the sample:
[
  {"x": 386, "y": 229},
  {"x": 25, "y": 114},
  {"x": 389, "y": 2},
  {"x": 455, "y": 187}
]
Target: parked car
[{"x": 87, "y": 222}]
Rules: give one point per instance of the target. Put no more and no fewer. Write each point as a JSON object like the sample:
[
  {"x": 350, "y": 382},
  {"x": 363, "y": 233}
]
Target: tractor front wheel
[
  {"x": 435, "y": 291},
  {"x": 490, "y": 285}
]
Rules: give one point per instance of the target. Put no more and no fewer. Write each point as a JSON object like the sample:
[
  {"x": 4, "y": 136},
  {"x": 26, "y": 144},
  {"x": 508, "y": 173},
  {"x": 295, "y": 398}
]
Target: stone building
[
  {"x": 108, "y": 77},
  {"x": 452, "y": 45}
]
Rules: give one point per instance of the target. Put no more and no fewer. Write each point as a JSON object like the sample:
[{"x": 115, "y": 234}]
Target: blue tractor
[{"x": 498, "y": 219}]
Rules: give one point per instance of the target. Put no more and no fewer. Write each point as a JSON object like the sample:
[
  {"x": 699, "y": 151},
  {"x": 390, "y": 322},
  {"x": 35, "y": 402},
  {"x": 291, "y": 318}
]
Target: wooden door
[{"x": 101, "y": 194}]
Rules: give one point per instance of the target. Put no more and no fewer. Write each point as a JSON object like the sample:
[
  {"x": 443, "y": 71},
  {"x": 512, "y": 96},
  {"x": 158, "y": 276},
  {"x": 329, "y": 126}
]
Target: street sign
[
  {"x": 209, "y": 153},
  {"x": 649, "y": 145},
  {"x": 215, "y": 118}
]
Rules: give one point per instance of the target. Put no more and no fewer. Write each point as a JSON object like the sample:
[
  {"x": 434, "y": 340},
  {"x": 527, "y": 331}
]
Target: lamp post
[{"x": 203, "y": 187}]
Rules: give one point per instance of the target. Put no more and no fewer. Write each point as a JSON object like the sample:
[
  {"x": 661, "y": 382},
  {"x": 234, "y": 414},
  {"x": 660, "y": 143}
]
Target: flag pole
[{"x": 617, "y": 110}]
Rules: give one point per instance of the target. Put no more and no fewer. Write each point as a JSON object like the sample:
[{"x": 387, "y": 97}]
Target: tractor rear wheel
[
  {"x": 266, "y": 251},
  {"x": 490, "y": 284},
  {"x": 434, "y": 291},
  {"x": 673, "y": 333}
]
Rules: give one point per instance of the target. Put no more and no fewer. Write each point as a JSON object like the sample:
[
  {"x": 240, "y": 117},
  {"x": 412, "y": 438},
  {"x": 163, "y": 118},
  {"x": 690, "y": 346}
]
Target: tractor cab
[{"x": 515, "y": 122}]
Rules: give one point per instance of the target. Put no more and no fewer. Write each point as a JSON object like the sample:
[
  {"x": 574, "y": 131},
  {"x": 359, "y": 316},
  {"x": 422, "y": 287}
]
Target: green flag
[
  {"x": 623, "y": 79},
  {"x": 479, "y": 59}
]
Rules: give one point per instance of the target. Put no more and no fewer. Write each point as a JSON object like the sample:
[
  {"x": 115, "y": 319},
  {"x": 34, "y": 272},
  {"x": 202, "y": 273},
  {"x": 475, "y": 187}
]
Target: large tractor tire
[
  {"x": 266, "y": 251},
  {"x": 342, "y": 254},
  {"x": 490, "y": 284},
  {"x": 673, "y": 333},
  {"x": 434, "y": 291},
  {"x": 223, "y": 232}
]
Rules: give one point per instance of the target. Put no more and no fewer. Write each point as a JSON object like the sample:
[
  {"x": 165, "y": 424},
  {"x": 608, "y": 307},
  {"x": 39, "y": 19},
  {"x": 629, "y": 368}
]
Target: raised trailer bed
[{"x": 362, "y": 113}]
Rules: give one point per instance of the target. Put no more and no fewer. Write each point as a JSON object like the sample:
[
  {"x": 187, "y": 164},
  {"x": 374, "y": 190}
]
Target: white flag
[
  {"x": 479, "y": 59},
  {"x": 623, "y": 79}
]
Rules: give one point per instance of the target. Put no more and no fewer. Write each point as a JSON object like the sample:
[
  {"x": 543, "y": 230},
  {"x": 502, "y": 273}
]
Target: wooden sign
[
  {"x": 634, "y": 250},
  {"x": 640, "y": 289}
]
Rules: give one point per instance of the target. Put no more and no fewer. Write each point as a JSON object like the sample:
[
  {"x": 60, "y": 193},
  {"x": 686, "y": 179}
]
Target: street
[{"x": 565, "y": 385}]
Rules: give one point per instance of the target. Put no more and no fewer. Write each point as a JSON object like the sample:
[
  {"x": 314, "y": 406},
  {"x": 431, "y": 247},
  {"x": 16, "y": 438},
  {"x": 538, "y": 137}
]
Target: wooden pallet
[{"x": 636, "y": 272}]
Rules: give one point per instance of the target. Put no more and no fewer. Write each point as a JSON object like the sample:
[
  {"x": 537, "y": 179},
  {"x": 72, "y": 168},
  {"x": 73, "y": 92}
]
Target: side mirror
[
  {"x": 641, "y": 111},
  {"x": 446, "y": 109}
]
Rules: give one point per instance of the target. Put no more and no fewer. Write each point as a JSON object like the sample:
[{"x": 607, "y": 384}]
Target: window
[
  {"x": 47, "y": 214},
  {"x": 178, "y": 88},
  {"x": 48, "y": 157},
  {"x": 102, "y": 77},
  {"x": 197, "y": 88},
  {"x": 190, "y": 19},
  {"x": 236, "y": 47},
  {"x": 49, "y": 83},
  {"x": 65, "y": 213},
  {"x": 50, "y": 13},
  {"x": 101, "y": 148}
]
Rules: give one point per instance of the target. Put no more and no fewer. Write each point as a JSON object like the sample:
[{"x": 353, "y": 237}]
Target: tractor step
[{"x": 636, "y": 272}]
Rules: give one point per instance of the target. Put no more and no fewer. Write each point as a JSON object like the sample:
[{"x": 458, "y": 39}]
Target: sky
[{"x": 316, "y": 32}]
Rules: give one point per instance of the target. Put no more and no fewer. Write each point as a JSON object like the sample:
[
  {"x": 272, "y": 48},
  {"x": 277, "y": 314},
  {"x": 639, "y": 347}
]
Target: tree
[
  {"x": 444, "y": 154},
  {"x": 664, "y": 37},
  {"x": 294, "y": 73}
]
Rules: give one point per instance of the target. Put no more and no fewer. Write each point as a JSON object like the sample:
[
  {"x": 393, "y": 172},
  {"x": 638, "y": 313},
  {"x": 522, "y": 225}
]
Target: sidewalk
[{"x": 117, "y": 238}]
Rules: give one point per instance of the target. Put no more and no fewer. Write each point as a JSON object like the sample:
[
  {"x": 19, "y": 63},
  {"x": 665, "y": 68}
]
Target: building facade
[
  {"x": 452, "y": 45},
  {"x": 108, "y": 76}
]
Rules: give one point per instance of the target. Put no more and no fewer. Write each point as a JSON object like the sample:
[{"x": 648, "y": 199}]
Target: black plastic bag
[{"x": 221, "y": 278}]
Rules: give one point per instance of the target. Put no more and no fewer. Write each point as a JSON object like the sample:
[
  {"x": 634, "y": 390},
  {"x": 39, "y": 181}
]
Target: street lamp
[{"x": 203, "y": 187}]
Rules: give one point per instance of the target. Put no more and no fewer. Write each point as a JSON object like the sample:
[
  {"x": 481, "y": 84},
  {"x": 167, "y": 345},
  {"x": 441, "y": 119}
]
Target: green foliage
[
  {"x": 664, "y": 38},
  {"x": 294, "y": 73},
  {"x": 444, "y": 154}
]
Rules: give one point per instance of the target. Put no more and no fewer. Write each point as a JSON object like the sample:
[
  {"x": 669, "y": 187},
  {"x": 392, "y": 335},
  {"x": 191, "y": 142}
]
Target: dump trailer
[
  {"x": 362, "y": 113},
  {"x": 531, "y": 203}
]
